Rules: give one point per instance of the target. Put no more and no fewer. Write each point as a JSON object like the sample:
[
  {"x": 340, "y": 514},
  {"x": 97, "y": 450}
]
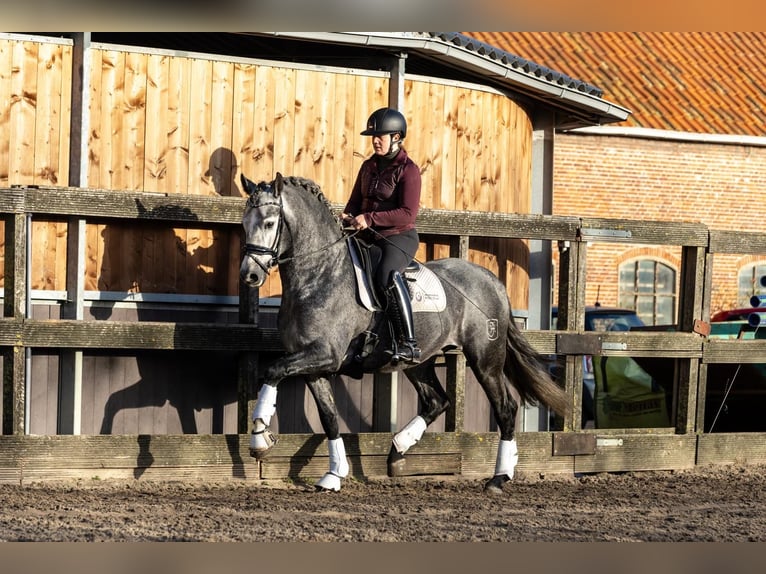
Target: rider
[{"x": 386, "y": 199}]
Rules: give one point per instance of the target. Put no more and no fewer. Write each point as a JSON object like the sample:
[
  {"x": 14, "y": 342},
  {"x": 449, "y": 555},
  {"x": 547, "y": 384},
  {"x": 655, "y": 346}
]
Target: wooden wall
[
  {"x": 35, "y": 111},
  {"x": 190, "y": 125}
]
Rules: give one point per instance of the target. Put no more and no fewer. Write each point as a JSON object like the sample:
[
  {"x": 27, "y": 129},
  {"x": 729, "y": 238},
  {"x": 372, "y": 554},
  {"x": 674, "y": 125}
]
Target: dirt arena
[{"x": 710, "y": 504}]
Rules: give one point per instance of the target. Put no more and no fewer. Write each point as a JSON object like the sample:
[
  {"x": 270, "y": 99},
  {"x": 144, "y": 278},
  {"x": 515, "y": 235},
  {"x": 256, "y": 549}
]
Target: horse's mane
[{"x": 312, "y": 187}]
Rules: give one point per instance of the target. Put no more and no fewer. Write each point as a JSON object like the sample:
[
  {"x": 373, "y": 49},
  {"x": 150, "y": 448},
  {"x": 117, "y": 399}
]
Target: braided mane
[{"x": 311, "y": 186}]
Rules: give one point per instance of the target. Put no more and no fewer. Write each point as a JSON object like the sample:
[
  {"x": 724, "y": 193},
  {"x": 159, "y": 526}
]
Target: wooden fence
[{"x": 569, "y": 449}]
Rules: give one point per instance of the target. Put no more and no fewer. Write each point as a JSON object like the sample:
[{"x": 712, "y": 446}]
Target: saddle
[{"x": 426, "y": 291}]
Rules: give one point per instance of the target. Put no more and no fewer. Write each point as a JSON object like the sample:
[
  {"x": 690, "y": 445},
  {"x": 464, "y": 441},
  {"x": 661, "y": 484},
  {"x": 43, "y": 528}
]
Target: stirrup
[{"x": 405, "y": 352}]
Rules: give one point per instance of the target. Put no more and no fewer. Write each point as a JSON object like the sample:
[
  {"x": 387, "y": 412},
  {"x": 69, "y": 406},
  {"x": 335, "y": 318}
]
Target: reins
[{"x": 315, "y": 251}]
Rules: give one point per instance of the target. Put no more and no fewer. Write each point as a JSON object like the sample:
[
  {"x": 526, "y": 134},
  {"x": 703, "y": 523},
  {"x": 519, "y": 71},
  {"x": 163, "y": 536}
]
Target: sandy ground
[{"x": 709, "y": 504}]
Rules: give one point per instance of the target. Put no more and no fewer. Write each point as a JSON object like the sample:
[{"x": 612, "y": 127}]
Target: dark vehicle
[
  {"x": 735, "y": 395},
  {"x": 598, "y": 318}
]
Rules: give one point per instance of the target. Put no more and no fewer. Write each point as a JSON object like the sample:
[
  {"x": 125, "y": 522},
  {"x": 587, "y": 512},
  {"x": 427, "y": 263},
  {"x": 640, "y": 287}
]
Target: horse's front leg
[
  {"x": 262, "y": 440},
  {"x": 328, "y": 416},
  {"x": 303, "y": 363}
]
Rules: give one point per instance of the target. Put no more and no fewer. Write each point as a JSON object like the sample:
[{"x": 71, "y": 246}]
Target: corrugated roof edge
[
  {"x": 508, "y": 59},
  {"x": 583, "y": 102}
]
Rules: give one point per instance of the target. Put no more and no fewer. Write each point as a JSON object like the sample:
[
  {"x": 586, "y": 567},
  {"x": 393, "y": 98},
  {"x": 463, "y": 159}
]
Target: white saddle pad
[{"x": 426, "y": 291}]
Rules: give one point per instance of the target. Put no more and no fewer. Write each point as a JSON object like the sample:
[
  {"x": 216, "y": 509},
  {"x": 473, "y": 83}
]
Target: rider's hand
[{"x": 357, "y": 222}]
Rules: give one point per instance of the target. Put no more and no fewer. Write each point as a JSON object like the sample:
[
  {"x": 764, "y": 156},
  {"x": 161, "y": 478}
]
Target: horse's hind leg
[
  {"x": 488, "y": 370},
  {"x": 328, "y": 416},
  {"x": 432, "y": 402}
]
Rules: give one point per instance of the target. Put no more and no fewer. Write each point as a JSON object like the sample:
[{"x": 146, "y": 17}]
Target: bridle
[{"x": 252, "y": 250}]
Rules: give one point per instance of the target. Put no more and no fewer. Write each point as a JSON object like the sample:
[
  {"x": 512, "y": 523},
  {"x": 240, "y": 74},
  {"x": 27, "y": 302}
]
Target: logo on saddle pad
[{"x": 426, "y": 291}]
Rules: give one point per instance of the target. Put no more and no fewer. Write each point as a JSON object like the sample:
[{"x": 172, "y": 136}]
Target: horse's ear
[
  {"x": 247, "y": 185},
  {"x": 279, "y": 183}
]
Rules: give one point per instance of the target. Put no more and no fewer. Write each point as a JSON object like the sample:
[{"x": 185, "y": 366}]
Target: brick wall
[{"x": 720, "y": 185}]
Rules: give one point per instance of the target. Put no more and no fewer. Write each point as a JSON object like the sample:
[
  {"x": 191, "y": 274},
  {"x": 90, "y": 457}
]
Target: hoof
[
  {"x": 328, "y": 483},
  {"x": 495, "y": 484},
  {"x": 397, "y": 464},
  {"x": 261, "y": 443}
]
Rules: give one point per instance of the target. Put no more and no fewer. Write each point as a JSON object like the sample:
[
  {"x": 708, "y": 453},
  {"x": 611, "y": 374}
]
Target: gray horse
[{"x": 289, "y": 222}]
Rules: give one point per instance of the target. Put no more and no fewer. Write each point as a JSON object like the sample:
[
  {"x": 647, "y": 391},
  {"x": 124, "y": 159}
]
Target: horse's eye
[{"x": 269, "y": 225}]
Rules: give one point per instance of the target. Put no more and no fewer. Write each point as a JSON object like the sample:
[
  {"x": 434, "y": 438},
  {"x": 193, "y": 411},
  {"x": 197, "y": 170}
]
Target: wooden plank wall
[
  {"x": 187, "y": 125},
  {"x": 35, "y": 104},
  {"x": 190, "y": 125},
  {"x": 473, "y": 149}
]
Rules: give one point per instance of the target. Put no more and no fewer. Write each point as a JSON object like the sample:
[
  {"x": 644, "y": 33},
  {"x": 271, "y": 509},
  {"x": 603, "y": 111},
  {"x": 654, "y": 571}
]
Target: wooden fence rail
[{"x": 692, "y": 351}]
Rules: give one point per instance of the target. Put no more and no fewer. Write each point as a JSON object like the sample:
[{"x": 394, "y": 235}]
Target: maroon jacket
[{"x": 390, "y": 198}]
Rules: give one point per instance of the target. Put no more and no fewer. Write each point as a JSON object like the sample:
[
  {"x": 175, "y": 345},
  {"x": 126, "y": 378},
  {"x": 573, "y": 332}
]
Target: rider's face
[{"x": 382, "y": 143}]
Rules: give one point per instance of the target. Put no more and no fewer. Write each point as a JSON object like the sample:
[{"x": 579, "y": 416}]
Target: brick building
[{"x": 693, "y": 149}]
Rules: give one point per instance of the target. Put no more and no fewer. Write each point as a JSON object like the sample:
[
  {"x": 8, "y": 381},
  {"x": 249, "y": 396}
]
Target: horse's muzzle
[
  {"x": 252, "y": 275},
  {"x": 252, "y": 280},
  {"x": 254, "y": 272}
]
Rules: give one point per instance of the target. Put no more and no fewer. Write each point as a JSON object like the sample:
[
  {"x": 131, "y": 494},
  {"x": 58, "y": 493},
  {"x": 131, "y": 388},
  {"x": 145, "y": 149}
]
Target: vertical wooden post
[
  {"x": 690, "y": 380},
  {"x": 70, "y": 368},
  {"x": 248, "y": 362},
  {"x": 70, "y": 371},
  {"x": 80, "y": 114},
  {"x": 702, "y": 367},
  {"x": 385, "y": 402},
  {"x": 571, "y": 317},
  {"x": 455, "y": 384},
  {"x": 14, "y": 306},
  {"x": 536, "y": 417},
  {"x": 385, "y": 390},
  {"x": 396, "y": 82}
]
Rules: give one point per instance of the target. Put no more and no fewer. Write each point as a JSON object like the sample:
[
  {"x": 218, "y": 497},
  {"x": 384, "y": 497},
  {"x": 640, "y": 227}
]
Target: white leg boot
[
  {"x": 262, "y": 439},
  {"x": 410, "y": 434},
  {"x": 338, "y": 466},
  {"x": 507, "y": 458}
]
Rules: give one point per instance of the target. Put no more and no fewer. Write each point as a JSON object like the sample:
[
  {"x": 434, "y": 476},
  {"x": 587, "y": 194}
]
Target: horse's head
[{"x": 263, "y": 229}]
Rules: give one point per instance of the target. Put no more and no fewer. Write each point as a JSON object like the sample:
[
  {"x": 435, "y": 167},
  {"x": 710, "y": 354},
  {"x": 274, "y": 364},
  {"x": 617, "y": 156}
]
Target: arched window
[
  {"x": 648, "y": 286},
  {"x": 749, "y": 283}
]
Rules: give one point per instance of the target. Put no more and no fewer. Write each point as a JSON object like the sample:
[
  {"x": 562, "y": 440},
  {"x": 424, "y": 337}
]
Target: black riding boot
[{"x": 399, "y": 312}]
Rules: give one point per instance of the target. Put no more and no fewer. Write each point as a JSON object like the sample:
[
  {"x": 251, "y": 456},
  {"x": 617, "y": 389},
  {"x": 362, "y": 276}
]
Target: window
[
  {"x": 749, "y": 283},
  {"x": 648, "y": 287}
]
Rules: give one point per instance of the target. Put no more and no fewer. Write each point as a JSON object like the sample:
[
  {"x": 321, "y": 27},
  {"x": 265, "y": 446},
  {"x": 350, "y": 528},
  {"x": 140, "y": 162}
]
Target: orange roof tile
[{"x": 701, "y": 82}]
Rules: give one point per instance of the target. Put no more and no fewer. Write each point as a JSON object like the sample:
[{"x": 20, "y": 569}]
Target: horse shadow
[{"x": 143, "y": 257}]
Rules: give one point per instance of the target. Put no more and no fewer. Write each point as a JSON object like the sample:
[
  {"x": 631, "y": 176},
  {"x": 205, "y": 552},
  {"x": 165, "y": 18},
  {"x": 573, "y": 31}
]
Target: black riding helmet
[{"x": 386, "y": 121}]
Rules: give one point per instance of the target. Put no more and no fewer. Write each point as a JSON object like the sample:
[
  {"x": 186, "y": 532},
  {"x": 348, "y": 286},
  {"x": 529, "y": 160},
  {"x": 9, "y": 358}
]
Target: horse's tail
[{"x": 526, "y": 369}]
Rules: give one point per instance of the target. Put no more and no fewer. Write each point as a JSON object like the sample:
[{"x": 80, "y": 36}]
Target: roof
[
  {"x": 449, "y": 55},
  {"x": 700, "y": 82}
]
